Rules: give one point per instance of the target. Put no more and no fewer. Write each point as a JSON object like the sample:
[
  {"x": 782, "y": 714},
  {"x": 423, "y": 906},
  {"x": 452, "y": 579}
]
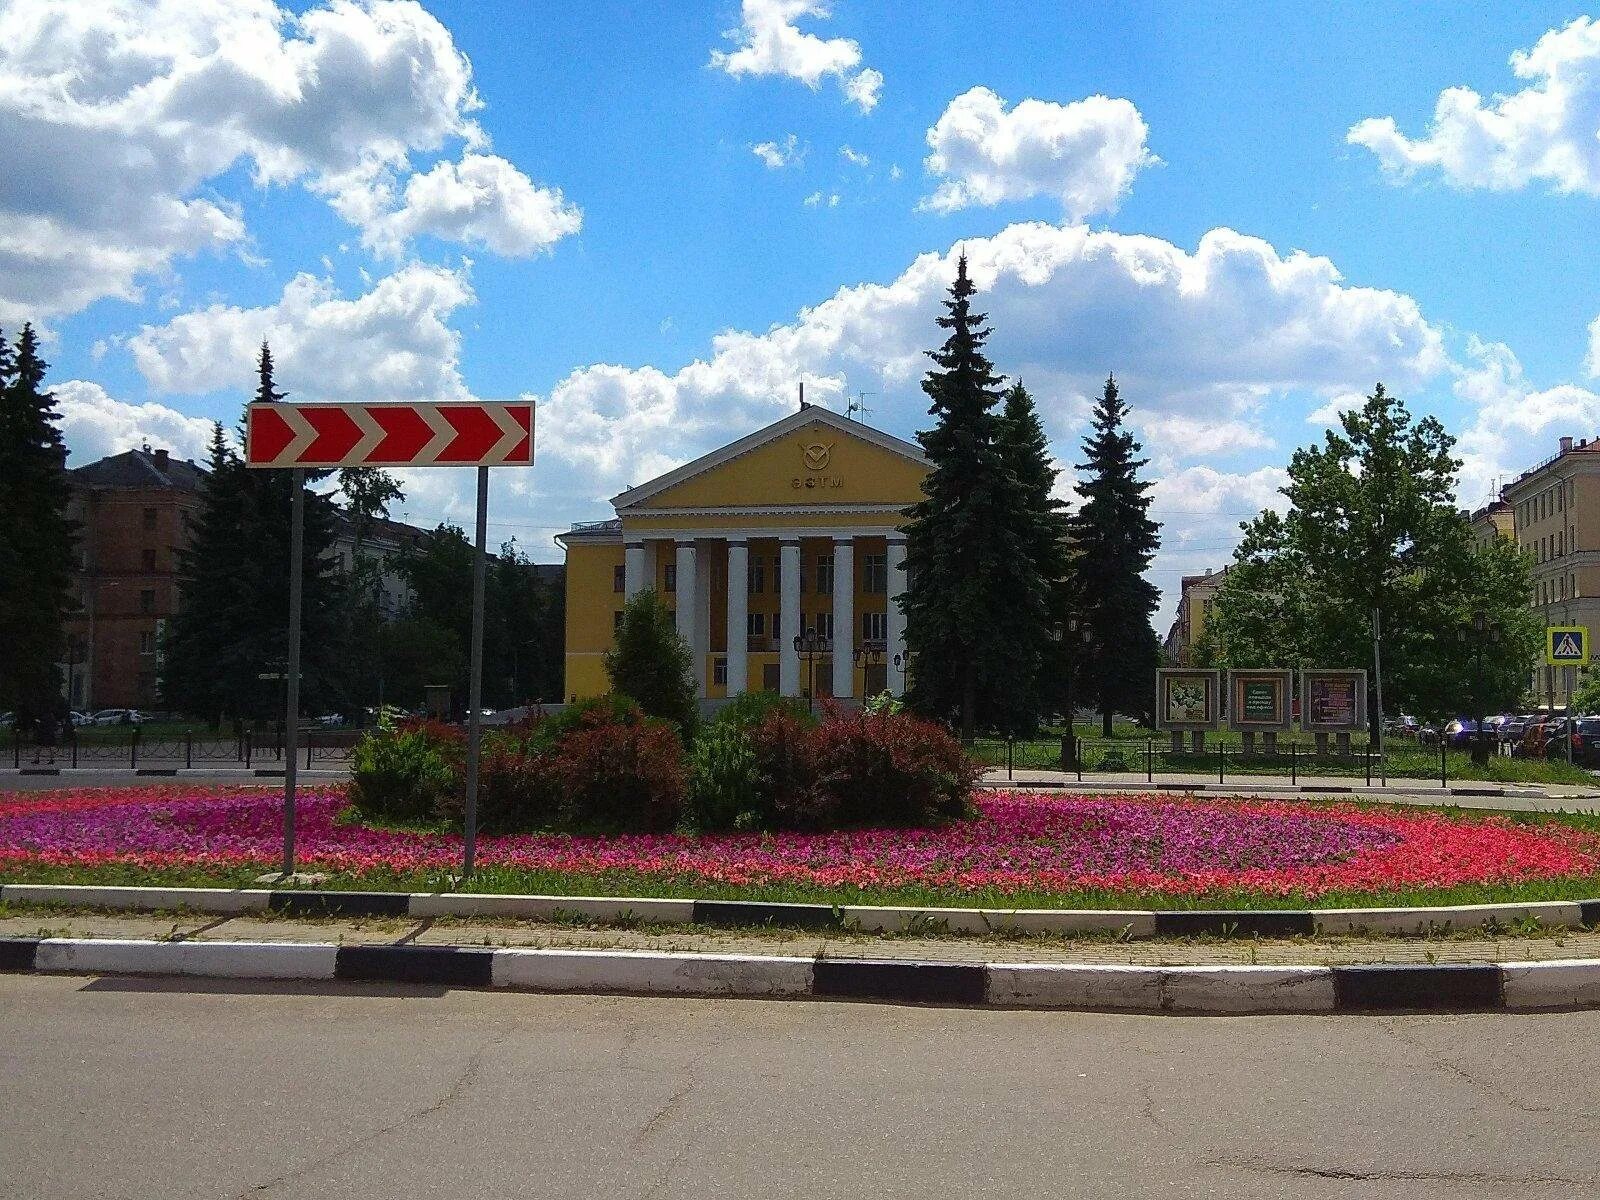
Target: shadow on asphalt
[{"x": 264, "y": 987}]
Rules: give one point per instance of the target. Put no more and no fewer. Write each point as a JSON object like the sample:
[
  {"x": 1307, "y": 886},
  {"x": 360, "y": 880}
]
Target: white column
[
  {"x": 897, "y": 619},
  {"x": 700, "y": 643},
  {"x": 685, "y": 592},
  {"x": 738, "y": 615},
  {"x": 789, "y": 617},
  {"x": 635, "y": 569},
  {"x": 844, "y": 617}
]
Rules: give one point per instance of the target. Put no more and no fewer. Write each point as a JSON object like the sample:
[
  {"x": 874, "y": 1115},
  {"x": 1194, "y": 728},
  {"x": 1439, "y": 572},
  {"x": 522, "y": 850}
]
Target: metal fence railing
[
  {"x": 133, "y": 749},
  {"x": 1154, "y": 758}
]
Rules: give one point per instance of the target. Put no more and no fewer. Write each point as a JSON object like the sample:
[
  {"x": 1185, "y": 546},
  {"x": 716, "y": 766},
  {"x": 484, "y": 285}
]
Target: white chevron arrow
[{"x": 304, "y": 433}]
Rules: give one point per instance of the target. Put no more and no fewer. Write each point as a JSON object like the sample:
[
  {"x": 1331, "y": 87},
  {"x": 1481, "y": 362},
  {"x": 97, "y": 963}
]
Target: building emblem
[{"x": 816, "y": 455}]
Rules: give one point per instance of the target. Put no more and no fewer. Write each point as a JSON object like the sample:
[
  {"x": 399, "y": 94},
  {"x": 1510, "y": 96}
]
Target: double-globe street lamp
[{"x": 811, "y": 644}]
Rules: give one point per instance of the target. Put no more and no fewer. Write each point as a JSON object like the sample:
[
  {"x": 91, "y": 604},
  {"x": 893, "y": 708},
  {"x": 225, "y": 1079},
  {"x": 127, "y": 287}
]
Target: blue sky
[{"x": 589, "y": 221}]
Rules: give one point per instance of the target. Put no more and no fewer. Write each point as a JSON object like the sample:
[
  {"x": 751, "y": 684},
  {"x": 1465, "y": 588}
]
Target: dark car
[
  {"x": 1459, "y": 733},
  {"x": 1511, "y": 732},
  {"x": 1586, "y": 741}
]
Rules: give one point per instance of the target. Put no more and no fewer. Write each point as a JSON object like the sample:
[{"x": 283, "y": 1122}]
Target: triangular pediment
[{"x": 810, "y": 457}]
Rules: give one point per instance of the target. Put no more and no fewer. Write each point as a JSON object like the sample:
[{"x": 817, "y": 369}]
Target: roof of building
[
  {"x": 140, "y": 469},
  {"x": 803, "y": 416}
]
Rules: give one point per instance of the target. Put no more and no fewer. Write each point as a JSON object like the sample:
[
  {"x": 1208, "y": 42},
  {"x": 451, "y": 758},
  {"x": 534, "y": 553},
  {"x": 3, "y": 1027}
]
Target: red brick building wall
[{"x": 130, "y": 536}]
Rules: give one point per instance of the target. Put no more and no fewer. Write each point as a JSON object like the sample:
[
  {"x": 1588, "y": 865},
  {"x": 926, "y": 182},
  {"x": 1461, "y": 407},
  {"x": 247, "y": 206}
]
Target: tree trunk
[
  {"x": 969, "y": 702},
  {"x": 1106, "y": 717}
]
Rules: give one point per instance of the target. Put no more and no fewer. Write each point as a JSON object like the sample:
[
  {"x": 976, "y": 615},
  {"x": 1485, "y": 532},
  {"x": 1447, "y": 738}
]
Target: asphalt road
[{"x": 141, "y": 1089}]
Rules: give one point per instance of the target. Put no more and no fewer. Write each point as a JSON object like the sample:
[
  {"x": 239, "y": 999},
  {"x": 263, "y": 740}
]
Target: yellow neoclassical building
[{"x": 790, "y": 533}]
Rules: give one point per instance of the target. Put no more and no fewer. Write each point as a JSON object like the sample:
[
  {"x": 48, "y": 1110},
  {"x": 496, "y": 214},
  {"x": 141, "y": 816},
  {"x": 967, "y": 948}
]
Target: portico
[{"x": 792, "y": 531}]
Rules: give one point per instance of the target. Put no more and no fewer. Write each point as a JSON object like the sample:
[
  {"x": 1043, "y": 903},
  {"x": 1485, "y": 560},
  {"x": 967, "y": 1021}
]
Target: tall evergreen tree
[
  {"x": 234, "y": 583},
  {"x": 975, "y": 604},
  {"x": 1025, "y": 450},
  {"x": 1114, "y": 540},
  {"x": 651, "y": 663},
  {"x": 37, "y": 537}
]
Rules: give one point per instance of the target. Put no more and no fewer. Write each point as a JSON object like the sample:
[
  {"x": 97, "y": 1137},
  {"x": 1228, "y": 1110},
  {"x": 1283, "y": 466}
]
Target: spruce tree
[
  {"x": 1026, "y": 452},
  {"x": 652, "y": 664},
  {"x": 235, "y": 588},
  {"x": 1114, "y": 540},
  {"x": 975, "y": 605},
  {"x": 37, "y": 537}
]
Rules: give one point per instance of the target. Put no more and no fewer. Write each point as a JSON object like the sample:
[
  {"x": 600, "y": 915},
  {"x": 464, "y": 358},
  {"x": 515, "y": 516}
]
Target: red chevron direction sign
[{"x": 467, "y": 433}]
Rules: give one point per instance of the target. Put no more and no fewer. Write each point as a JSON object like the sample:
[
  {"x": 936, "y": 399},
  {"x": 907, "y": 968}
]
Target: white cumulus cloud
[
  {"x": 769, "y": 42},
  {"x": 118, "y": 119},
  {"x": 1084, "y": 154},
  {"x": 777, "y": 155},
  {"x": 391, "y": 343},
  {"x": 1548, "y": 132},
  {"x": 96, "y": 424}
]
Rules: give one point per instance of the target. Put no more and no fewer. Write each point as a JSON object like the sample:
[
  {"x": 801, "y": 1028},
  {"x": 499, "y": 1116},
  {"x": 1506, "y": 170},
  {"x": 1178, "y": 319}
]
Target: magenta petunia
[{"x": 1018, "y": 842}]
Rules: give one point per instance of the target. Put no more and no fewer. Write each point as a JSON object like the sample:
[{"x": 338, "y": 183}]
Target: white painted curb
[
  {"x": 650, "y": 973},
  {"x": 217, "y": 960}
]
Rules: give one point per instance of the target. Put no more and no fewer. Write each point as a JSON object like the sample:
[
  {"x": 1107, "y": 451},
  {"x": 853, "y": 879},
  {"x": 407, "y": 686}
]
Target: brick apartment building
[{"x": 135, "y": 511}]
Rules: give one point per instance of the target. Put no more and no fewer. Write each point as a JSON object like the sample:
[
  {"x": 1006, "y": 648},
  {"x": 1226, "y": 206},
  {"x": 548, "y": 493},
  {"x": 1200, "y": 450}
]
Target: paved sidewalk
[
  {"x": 1465, "y": 793},
  {"x": 1474, "y": 948}
]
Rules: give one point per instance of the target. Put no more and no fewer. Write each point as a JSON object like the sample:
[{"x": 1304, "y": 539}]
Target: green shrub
[
  {"x": 400, "y": 775},
  {"x": 724, "y": 787},
  {"x": 891, "y": 769},
  {"x": 748, "y": 709},
  {"x": 546, "y": 733}
]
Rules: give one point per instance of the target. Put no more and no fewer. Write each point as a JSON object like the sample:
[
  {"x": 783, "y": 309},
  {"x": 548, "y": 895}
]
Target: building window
[
  {"x": 149, "y": 518},
  {"x": 719, "y": 672},
  {"x": 758, "y": 575},
  {"x": 824, "y": 625},
  {"x": 147, "y": 600},
  {"x": 777, "y": 626},
  {"x": 147, "y": 560},
  {"x": 824, "y": 574},
  {"x": 755, "y": 624},
  {"x": 147, "y": 642},
  {"x": 616, "y": 620},
  {"x": 669, "y": 577},
  {"x": 875, "y": 574},
  {"x": 619, "y": 578},
  {"x": 777, "y": 572},
  {"x": 874, "y": 627}
]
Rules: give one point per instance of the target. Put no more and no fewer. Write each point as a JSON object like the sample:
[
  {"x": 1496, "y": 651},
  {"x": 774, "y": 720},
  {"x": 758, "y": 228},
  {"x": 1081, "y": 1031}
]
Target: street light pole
[{"x": 811, "y": 645}]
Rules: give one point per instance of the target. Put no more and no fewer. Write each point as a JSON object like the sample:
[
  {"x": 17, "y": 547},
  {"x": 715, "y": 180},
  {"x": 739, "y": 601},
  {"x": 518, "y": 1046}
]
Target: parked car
[
  {"x": 1458, "y": 734},
  {"x": 117, "y": 716},
  {"x": 331, "y": 720},
  {"x": 1586, "y": 741},
  {"x": 1535, "y": 737},
  {"x": 1403, "y": 726},
  {"x": 1428, "y": 735},
  {"x": 1513, "y": 728}
]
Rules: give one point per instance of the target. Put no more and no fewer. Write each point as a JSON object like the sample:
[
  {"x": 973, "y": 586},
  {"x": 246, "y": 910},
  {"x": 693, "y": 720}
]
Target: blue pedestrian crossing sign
[{"x": 1567, "y": 645}]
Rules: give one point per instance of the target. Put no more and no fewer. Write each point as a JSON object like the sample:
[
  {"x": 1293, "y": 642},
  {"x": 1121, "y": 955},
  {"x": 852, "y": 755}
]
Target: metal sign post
[
  {"x": 475, "y": 679},
  {"x": 291, "y": 719},
  {"x": 472, "y": 433},
  {"x": 1377, "y": 680}
]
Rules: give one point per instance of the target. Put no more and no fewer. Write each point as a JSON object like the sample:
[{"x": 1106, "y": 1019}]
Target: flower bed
[{"x": 1020, "y": 844}]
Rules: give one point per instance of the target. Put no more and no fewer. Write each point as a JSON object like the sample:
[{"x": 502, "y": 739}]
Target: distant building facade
[
  {"x": 1555, "y": 513},
  {"x": 1195, "y": 600},
  {"x": 135, "y": 512}
]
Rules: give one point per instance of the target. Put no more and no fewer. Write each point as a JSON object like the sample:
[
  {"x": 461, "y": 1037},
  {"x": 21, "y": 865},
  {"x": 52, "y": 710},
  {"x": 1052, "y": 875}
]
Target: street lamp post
[
  {"x": 811, "y": 645},
  {"x": 867, "y": 657}
]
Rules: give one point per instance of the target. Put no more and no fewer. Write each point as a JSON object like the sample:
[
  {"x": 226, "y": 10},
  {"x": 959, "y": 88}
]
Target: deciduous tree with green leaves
[
  {"x": 1114, "y": 540},
  {"x": 1372, "y": 525},
  {"x": 977, "y": 608}
]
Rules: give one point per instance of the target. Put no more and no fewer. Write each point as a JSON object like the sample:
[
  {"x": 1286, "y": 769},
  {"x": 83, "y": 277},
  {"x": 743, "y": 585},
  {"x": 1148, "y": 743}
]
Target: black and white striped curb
[
  {"x": 1195, "y": 990},
  {"x": 865, "y": 918}
]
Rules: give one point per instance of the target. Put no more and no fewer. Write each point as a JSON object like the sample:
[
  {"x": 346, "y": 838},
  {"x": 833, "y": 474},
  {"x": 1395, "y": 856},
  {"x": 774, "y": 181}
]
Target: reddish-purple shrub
[
  {"x": 891, "y": 769},
  {"x": 611, "y": 774},
  {"x": 784, "y": 746}
]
